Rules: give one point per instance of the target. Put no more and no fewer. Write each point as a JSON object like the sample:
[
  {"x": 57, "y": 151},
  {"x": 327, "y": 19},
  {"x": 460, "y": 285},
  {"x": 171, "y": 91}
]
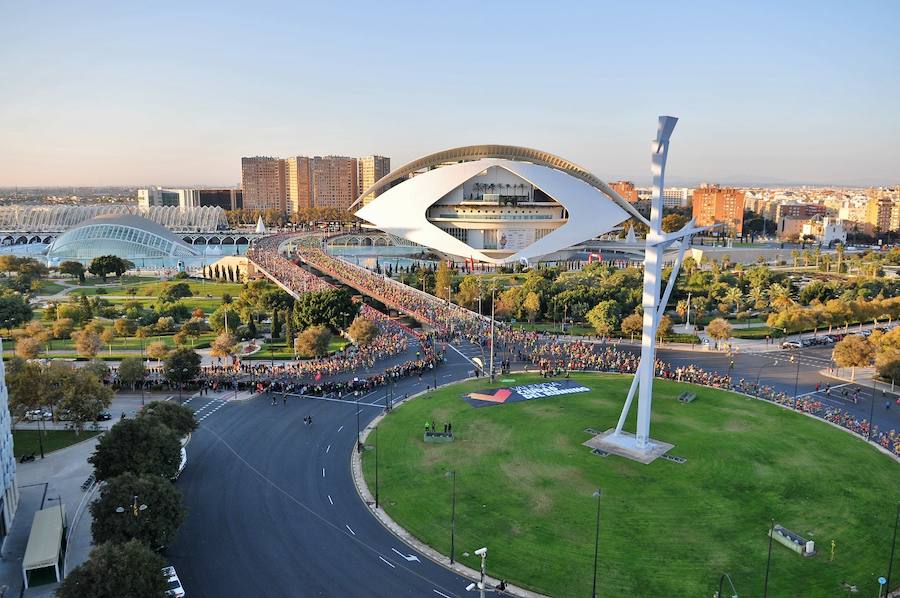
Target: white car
[
  {"x": 38, "y": 414},
  {"x": 173, "y": 584},
  {"x": 181, "y": 465}
]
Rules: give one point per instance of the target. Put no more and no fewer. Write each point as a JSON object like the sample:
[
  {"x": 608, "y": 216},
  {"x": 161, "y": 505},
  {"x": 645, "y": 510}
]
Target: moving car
[
  {"x": 791, "y": 345},
  {"x": 173, "y": 584},
  {"x": 104, "y": 416}
]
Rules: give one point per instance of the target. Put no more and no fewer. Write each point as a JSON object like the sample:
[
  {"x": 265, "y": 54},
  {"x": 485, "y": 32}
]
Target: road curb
[{"x": 401, "y": 533}]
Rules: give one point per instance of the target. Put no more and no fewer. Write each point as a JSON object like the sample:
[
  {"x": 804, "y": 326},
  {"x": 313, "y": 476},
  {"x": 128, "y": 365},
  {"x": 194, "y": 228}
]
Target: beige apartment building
[
  {"x": 369, "y": 170},
  {"x": 883, "y": 210},
  {"x": 297, "y": 184},
  {"x": 721, "y": 207},
  {"x": 333, "y": 181},
  {"x": 263, "y": 183}
]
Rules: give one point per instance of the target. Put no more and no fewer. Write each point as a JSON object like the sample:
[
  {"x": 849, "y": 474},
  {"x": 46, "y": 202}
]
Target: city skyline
[{"x": 768, "y": 95}]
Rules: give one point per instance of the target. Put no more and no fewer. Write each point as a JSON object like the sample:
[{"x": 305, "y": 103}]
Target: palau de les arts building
[{"x": 496, "y": 204}]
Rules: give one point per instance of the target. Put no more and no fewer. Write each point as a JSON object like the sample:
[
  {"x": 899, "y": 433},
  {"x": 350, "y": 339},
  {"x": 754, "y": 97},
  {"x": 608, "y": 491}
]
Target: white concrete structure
[
  {"x": 639, "y": 445},
  {"x": 826, "y": 230},
  {"x": 495, "y": 204}
]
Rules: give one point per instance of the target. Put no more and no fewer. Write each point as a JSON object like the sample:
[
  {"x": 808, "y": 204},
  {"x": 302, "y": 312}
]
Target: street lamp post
[
  {"x": 769, "y": 560},
  {"x": 759, "y": 373},
  {"x": 596, "y": 495},
  {"x": 358, "y": 443},
  {"x": 142, "y": 370},
  {"x": 376, "y": 467},
  {"x": 493, "y": 291},
  {"x": 893, "y": 546},
  {"x": 453, "y": 518},
  {"x": 871, "y": 410},
  {"x": 796, "y": 357},
  {"x": 136, "y": 509}
]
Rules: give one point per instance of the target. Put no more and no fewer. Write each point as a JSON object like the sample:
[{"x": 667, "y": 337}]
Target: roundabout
[{"x": 525, "y": 483}]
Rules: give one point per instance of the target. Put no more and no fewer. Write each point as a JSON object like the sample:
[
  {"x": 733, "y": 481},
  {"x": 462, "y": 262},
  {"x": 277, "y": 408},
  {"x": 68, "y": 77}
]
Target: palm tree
[
  {"x": 818, "y": 254},
  {"x": 796, "y": 256},
  {"x": 839, "y": 249},
  {"x": 826, "y": 262},
  {"x": 807, "y": 257},
  {"x": 758, "y": 295},
  {"x": 780, "y": 296},
  {"x": 735, "y": 298}
]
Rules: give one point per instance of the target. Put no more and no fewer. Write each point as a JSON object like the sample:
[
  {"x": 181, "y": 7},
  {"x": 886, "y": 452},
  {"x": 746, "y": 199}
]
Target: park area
[{"x": 525, "y": 484}]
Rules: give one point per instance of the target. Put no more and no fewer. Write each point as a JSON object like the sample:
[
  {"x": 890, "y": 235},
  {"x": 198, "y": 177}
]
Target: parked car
[
  {"x": 181, "y": 465},
  {"x": 38, "y": 414},
  {"x": 791, "y": 345},
  {"x": 173, "y": 584},
  {"x": 104, "y": 416}
]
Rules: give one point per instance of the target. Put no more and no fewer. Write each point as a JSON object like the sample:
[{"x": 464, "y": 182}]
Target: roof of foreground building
[{"x": 125, "y": 235}]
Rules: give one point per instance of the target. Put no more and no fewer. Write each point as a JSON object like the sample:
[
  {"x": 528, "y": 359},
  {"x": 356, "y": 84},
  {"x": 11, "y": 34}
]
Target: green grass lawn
[
  {"x": 525, "y": 484},
  {"x": 281, "y": 351},
  {"x": 577, "y": 329},
  {"x": 48, "y": 287},
  {"x": 755, "y": 333},
  {"x": 26, "y": 442}
]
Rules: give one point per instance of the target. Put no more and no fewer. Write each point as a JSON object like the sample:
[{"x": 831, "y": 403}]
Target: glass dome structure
[{"x": 128, "y": 236}]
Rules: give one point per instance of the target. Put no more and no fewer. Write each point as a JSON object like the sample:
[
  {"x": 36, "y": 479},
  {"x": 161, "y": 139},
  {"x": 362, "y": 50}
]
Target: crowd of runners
[{"x": 547, "y": 353}]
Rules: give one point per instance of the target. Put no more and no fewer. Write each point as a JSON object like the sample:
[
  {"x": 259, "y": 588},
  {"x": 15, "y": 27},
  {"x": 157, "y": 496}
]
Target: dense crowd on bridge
[{"x": 548, "y": 353}]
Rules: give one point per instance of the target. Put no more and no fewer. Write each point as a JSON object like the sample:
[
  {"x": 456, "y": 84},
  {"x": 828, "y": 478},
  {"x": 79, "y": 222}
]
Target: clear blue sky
[{"x": 156, "y": 92}]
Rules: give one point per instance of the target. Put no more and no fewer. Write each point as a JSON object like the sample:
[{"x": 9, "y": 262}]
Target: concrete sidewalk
[{"x": 41, "y": 485}]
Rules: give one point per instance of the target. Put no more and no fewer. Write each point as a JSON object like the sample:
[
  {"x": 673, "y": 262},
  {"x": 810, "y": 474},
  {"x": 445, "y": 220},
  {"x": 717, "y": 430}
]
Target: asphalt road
[{"x": 273, "y": 510}]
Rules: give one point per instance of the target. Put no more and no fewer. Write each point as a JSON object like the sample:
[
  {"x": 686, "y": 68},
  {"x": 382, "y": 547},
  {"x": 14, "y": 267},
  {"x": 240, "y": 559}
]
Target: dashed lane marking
[
  {"x": 349, "y": 529},
  {"x": 328, "y": 448},
  {"x": 323, "y": 472},
  {"x": 387, "y": 562},
  {"x": 441, "y": 594},
  {"x": 331, "y": 501},
  {"x": 341, "y": 428}
]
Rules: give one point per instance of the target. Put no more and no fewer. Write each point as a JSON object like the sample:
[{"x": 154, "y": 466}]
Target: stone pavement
[{"x": 41, "y": 484}]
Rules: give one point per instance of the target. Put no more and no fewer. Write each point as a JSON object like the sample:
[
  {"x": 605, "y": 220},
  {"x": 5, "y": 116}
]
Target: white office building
[{"x": 9, "y": 492}]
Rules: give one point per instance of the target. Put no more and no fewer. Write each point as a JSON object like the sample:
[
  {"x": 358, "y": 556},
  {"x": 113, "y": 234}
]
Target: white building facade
[{"x": 9, "y": 492}]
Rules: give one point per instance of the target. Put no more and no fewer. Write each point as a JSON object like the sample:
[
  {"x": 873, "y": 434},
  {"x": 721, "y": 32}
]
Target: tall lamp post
[
  {"x": 493, "y": 291},
  {"x": 376, "y": 467},
  {"x": 135, "y": 508},
  {"x": 871, "y": 410},
  {"x": 143, "y": 371},
  {"x": 596, "y": 495},
  {"x": 768, "y": 560},
  {"x": 358, "y": 443},
  {"x": 759, "y": 373},
  {"x": 796, "y": 357},
  {"x": 893, "y": 546},
  {"x": 452, "y": 475}
]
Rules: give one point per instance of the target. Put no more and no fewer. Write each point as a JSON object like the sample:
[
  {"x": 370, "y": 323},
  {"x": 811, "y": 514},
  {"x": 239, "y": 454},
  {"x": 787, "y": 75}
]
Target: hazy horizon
[{"x": 109, "y": 94}]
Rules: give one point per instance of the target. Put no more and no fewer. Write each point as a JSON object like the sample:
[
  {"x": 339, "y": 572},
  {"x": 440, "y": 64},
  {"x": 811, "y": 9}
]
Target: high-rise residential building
[
  {"x": 799, "y": 210},
  {"x": 333, "y": 181},
  {"x": 721, "y": 207},
  {"x": 883, "y": 210},
  {"x": 9, "y": 492},
  {"x": 369, "y": 170},
  {"x": 297, "y": 183},
  {"x": 626, "y": 190},
  {"x": 263, "y": 183}
]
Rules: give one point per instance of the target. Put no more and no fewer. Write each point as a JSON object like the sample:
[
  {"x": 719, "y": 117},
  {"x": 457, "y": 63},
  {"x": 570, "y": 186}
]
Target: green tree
[
  {"x": 312, "y": 342},
  {"x": 131, "y": 371},
  {"x": 73, "y": 269},
  {"x": 719, "y": 330},
  {"x": 125, "y": 327},
  {"x": 87, "y": 342},
  {"x": 105, "y": 265},
  {"x": 664, "y": 328},
  {"x": 181, "y": 365},
  {"x": 117, "y": 570},
  {"x": 469, "y": 291},
  {"x": 194, "y": 328},
  {"x": 177, "y": 417},
  {"x": 143, "y": 446},
  {"x": 852, "y": 352},
  {"x": 442, "y": 280},
  {"x": 362, "y": 330},
  {"x": 673, "y": 222},
  {"x": 334, "y": 308},
  {"x": 115, "y": 518},
  {"x": 218, "y": 318},
  {"x": 157, "y": 350},
  {"x": 532, "y": 305},
  {"x": 604, "y": 317},
  {"x": 172, "y": 293},
  {"x": 82, "y": 396},
  {"x": 14, "y": 310},
  {"x": 633, "y": 324},
  {"x": 223, "y": 345}
]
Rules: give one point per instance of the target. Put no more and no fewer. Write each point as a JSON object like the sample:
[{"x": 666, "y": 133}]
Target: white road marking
[
  {"x": 387, "y": 562},
  {"x": 327, "y": 449},
  {"x": 323, "y": 472},
  {"x": 409, "y": 558},
  {"x": 350, "y": 530},
  {"x": 463, "y": 356},
  {"x": 331, "y": 501},
  {"x": 440, "y": 593},
  {"x": 341, "y": 428}
]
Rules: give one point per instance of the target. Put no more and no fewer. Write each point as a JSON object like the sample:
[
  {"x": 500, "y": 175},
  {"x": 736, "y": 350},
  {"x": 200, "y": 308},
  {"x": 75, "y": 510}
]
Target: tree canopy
[
  {"x": 154, "y": 526},
  {"x": 181, "y": 365},
  {"x": 143, "y": 445},
  {"x": 117, "y": 570}
]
